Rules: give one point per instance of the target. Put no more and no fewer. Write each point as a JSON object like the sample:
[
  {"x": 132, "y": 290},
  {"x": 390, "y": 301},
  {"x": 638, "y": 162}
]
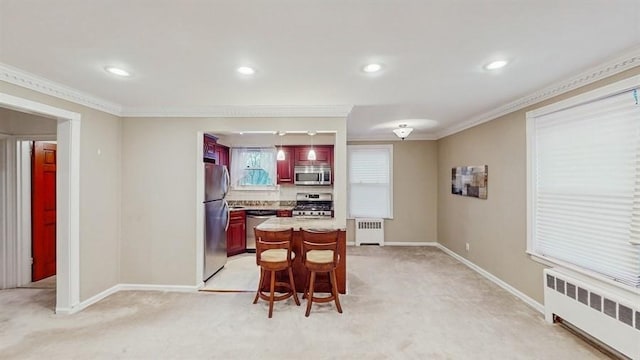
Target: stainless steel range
[{"x": 313, "y": 205}]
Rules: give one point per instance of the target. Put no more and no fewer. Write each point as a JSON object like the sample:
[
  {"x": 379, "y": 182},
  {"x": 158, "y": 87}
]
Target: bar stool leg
[
  {"x": 293, "y": 287},
  {"x": 259, "y": 285},
  {"x": 271, "y": 295},
  {"x": 305, "y": 294},
  {"x": 310, "y": 293},
  {"x": 334, "y": 289}
]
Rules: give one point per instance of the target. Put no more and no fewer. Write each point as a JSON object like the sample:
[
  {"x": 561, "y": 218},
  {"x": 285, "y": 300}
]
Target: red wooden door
[{"x": 43, "y": 210}]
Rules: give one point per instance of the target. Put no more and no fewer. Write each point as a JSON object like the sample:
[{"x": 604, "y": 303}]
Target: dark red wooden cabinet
[
  {"x": 284, "y": 213},
  {"x": 324, "y": 155},
  {"x": 236, "y": 233},
  {"x": 285, "y": 167},
  {"x": 222, "y": 154},
  {"x": 209, "y": 147},
  {"x": 214, "y": 152}
]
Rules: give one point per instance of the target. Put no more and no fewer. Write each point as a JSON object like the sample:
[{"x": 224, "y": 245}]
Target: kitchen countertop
[
  {"x": 263, "y": 207},
  {"x": 283, "y": 223}
]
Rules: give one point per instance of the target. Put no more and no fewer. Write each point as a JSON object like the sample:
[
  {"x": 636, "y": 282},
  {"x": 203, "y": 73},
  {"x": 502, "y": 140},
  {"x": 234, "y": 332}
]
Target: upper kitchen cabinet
[
  {"x": 324, "y": 155},
  {"x": 285, "y": 167},
  {"x": 297, "y": 155},
  {"x": 222, "y": 152},
  {"x": 214, "y": 152},
  {"x": 209, "y": 147}
]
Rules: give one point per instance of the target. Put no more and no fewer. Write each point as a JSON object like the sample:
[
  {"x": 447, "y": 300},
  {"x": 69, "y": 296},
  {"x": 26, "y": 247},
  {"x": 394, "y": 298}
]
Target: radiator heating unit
[
  {"x": 369, "y": 231},
  {"x": 600, "y": 310}
]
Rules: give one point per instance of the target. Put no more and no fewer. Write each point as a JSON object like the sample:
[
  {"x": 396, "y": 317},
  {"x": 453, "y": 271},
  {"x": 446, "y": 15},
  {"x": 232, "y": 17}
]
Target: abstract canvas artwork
[{"x": 470, "y": 181}]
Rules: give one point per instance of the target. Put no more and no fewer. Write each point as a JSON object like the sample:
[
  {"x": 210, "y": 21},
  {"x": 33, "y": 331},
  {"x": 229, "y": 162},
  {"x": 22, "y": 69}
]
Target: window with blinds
[
  {"x": 370, "y": 181},
  {"x": 585, "y": 182}
]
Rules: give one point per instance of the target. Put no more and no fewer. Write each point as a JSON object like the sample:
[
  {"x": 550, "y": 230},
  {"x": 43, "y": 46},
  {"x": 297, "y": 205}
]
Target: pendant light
[
  {"x": 281, "y": 156},
  {"x": 312, "y": 153}
]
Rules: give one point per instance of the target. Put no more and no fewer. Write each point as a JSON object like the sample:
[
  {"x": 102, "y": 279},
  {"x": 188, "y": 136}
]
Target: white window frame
[
  {"x": 389, "y": 147},
  {"x": 594, "y": 95},
  {"x": 256, "y": 187}
]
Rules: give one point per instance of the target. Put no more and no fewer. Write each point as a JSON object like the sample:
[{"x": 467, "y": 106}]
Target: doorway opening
[
  {"x": 67, "y": 204},
  {"x": 36, "y": 191}
]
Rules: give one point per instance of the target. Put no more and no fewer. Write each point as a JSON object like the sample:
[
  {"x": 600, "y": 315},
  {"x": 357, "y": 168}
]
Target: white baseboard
[
  {"x": 90, "y": 301},
  {"x": 410, "y": 243},
  {"x": 152, "y": 287},
  {"x": 186, "y": 288},
  {"x": 400, "y": 243},
  {"x": 515, "y": 292},
  {"x": 126, "y": 287}
]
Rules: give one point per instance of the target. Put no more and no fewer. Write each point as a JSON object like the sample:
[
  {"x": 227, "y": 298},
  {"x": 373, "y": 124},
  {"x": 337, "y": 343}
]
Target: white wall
[
  {"x": 99, "y": 191},
  {"x": 19, "y": 123},
  {"x": 495, "y": 228},
  {"x": 160, "y": 223}
]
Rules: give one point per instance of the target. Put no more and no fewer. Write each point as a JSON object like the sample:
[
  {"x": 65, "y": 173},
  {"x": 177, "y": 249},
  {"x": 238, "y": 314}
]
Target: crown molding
[
  {"x": 30, "y": 81},
  {"x": 36, "y": 83},
  {"x": 619, "y": 64},
  {"x": 244, "y": 111},
  {"x": 391, "y": 137}
]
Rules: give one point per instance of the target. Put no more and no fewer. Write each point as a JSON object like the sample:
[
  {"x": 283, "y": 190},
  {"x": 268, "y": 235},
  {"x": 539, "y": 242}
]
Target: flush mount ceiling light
[
  {"x": 494, "y": 65},
  {"x": 245, "y": 70},
  {"x": 117, "y": 71},
  {"x": 403, "y": 131},
  {"x": 371, "y": 68}
]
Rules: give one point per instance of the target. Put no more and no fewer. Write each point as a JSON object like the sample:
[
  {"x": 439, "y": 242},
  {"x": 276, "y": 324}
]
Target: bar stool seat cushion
[
  {"x": 320, "y": 256},
  {"x": 275, "y": 255}
]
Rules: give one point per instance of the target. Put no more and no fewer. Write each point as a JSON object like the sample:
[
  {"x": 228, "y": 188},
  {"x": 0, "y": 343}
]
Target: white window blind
[
  {"x": 586, "y": 192},
  {"x": 370, "y": 185}
]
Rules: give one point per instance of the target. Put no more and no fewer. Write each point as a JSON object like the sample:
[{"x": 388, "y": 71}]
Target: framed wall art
[{"x": 470, "y": 181}]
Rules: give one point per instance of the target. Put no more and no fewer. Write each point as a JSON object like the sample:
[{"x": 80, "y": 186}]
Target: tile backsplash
[{"x": 282, "y": 193}]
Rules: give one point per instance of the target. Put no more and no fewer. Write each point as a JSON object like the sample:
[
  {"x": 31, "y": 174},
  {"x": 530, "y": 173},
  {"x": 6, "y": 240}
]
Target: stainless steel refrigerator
[{"x": 216, "y": 222}]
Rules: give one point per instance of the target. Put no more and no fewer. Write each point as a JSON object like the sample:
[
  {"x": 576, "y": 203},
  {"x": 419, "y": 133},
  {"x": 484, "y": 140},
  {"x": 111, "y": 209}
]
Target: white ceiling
[{"x": 183, "y": 54}]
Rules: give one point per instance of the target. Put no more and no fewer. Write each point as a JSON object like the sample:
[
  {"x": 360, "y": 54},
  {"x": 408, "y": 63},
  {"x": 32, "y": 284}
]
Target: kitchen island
[{"x": 300, "y": 273}]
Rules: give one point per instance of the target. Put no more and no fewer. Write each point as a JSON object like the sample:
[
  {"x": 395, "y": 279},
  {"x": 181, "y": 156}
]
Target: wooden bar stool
[
  {"x": 320, "y": 254},
  {"x": 273, "y": 253}
]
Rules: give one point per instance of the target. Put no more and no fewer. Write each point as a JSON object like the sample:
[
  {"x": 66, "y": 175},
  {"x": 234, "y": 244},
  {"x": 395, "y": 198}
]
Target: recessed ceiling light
[
  {"x": 371, "y": 68},
  {"x": 245, "y": 70},
  {"x": 496, "y": 64},
  {"x": 117, "y": 71}
]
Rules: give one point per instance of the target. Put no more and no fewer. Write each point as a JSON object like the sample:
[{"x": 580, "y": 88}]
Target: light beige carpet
[
  {"x": 46, "y": 283},
  {"x": 239, "y": 274},
  {"x": 403, "y": 303}
]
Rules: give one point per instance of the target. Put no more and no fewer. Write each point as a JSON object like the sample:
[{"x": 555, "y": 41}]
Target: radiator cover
[
  {"x": 369, "y": 231},
  {"x": 606, "y": 313}
]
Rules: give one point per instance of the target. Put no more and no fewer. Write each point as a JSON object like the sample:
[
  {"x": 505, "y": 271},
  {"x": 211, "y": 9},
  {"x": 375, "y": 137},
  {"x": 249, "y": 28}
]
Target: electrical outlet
[{"x": 467, "y": 246}]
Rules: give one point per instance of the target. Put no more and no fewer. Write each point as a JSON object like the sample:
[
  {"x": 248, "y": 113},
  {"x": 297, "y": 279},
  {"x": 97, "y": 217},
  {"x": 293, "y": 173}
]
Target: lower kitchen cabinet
[
  {"x": 284, "y": 213},
  {"x": 236, "y": 233}
]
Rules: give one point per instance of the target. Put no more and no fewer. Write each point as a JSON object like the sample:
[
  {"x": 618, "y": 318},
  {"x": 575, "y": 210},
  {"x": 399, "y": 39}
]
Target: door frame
[
  {"x": 67, "y": 201},
  {"x": 23, "y": 172}
]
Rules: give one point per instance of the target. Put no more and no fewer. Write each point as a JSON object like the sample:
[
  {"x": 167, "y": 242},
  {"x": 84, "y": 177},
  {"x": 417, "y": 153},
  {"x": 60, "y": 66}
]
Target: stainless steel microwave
[{"x": 312, "y": 175}]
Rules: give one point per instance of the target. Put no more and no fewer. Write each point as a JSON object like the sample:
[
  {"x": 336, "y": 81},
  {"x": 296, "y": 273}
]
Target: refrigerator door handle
[
  {"x": 226, "y": 208},
  {"x": 228, "y": 179}
]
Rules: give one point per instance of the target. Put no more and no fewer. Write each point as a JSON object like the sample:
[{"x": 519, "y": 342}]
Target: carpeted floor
[
  {"x": 46, "y": 283},
  {"x": 403, "y": 303}
]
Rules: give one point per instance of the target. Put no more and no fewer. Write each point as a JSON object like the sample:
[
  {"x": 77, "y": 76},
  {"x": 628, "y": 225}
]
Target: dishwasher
[{"x": 255, "y": 218}]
